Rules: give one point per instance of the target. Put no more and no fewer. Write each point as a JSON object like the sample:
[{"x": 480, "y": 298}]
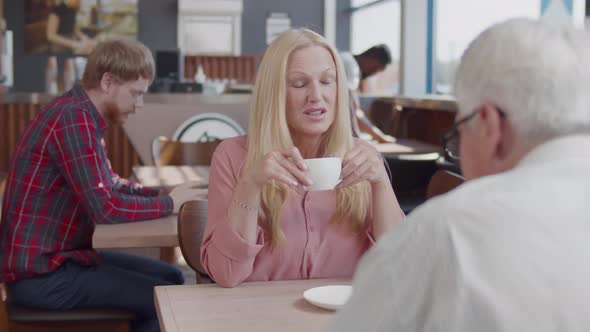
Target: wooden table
[
  {"x": 161, "y": 232},
  {"x": 158, "y": 233},
  {"x": 254, "y": 306},
  {"x": 170, "y": 176}
]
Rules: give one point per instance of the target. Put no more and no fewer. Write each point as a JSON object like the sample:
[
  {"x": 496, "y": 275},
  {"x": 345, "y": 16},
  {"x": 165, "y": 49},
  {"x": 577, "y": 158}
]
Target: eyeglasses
[{"x": 452, "y": 137}]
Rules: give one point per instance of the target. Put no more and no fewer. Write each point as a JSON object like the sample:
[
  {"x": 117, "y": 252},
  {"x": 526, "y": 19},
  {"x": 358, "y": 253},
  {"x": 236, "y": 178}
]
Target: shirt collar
[
  {"x": 79, "y": 92},
  {"x": 565, "y": 147}
]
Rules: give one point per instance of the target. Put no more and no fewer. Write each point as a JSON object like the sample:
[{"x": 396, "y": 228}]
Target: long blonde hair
[{"x": 268, "y": 131}]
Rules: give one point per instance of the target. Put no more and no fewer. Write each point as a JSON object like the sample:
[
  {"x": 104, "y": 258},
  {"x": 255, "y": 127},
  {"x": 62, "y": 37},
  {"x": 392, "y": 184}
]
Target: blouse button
[{"x": 100, "y": 185}]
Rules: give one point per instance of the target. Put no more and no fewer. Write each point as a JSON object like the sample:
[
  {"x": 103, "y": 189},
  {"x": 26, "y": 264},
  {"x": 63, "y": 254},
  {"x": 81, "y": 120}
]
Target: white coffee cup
[{"x": 324, "y": 172}]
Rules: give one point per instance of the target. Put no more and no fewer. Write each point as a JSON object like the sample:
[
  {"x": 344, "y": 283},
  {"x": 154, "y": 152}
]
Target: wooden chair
[
  {"x": 166, "y": 152},
  {"x": 170, "y": 152},
  {"x": 192, "y": 217},
  {"x": 15, "y": 318},
  {"x": 443, "y": 181},
  {"x": 2, "y": 188},
  {"x": 2, "y": 183}
]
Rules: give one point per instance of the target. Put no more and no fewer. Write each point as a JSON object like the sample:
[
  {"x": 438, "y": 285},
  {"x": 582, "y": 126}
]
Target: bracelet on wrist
[{"x": 245, "y": 206}]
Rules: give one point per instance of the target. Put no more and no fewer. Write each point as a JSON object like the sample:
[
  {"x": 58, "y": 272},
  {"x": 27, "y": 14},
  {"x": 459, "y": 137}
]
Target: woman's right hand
[{"x": 286, "y": 166}]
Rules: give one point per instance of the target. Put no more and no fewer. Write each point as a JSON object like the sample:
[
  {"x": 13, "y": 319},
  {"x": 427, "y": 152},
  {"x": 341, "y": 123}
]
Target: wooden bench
[{"x": 15, "y": 318}]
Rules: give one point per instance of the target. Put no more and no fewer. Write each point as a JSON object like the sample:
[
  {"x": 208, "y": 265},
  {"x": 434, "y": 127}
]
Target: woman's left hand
[{"x": 362, "y": 162}]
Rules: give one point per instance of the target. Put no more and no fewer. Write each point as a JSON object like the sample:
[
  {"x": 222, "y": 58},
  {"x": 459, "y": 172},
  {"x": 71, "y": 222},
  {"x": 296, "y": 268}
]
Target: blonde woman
[{"x": 262, "y": 223}]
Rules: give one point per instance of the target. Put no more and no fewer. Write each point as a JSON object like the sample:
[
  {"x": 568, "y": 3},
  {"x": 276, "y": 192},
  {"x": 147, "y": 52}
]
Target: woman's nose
[{"x": 314, "y": 93}]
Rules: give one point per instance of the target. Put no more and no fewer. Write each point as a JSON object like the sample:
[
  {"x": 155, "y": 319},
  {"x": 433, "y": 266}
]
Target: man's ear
[
  {"x": 494, "y": 130},
  {"x": 106, "y": 81}
]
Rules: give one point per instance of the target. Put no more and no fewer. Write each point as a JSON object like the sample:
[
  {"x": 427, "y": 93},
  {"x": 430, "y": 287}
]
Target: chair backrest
[
  {"x": 2, "y": 188},
  {"x": 169, "y": 152},
  {"x": 2, "y": 184},
  {"x": 443, "y": 181},
  {"x": 192, "y": 218}
]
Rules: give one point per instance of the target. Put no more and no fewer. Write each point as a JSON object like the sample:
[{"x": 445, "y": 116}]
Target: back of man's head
[
  {"x": 379, "y": 52},
  {"x": 538, "y": 72},
  {"x": 126, "y": 59}
]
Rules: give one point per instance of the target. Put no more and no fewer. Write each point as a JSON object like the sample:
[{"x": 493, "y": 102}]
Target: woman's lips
[{"x": 315, "y": 112}]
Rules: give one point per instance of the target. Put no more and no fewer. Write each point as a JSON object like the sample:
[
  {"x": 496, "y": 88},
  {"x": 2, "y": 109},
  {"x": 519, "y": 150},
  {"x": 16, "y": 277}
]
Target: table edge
[{"x": 161, "y": 298}]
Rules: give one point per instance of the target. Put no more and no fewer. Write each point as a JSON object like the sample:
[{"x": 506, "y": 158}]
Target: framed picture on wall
[{"x": 75, "y": 26}]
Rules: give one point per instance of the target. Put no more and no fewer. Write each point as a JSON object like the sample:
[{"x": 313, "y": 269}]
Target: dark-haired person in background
[
  {"x": 359, "y": 67},
  {"x": 63, "y": 34}
]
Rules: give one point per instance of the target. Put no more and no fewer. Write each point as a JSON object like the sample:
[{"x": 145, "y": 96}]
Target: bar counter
[
  {"x": 419, "y": 118},
  {"x": 130, "y": 145}
]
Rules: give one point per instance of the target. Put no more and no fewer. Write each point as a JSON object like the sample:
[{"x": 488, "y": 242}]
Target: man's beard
[{"x": 113, "y": 114}]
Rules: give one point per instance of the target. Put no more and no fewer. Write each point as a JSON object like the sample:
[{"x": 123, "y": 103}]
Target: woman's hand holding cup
[
  {"x": 363, "y": 163},
  {"x": 286, "y": 167}
]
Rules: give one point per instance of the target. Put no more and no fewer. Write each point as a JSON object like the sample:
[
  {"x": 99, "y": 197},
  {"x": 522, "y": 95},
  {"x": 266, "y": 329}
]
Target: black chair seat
[
  {"x": 24, "y": 314},
  {"x": 410, "y": 174}
]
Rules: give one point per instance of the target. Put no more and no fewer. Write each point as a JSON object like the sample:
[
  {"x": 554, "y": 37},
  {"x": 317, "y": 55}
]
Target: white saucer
[{"x": 328, "y": 297}]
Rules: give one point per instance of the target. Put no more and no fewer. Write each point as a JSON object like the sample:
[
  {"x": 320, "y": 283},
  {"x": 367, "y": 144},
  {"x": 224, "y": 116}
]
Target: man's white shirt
[
  {"x": 508, "y": 252},
  {"x": 352, "y": 69}
]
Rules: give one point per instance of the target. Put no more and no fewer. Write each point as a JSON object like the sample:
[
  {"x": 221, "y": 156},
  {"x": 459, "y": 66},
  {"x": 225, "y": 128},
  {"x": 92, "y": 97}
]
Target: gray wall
[
  {"x": 29, "y": 70},
  {"x": 157, "y": 23},
  {"x": 303, "y": 13},
  {"x": 158, "y": 30},
  {"x": 342, "y": 25}
]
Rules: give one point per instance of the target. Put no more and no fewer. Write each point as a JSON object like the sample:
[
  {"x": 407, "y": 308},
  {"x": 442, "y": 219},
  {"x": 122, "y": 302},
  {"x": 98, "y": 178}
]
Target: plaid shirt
[{"x": 60, "y": 185}]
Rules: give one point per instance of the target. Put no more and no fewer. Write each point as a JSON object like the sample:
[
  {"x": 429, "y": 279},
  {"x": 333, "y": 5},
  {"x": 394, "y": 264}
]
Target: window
[
  {"x": 372, "y": 23},
  {"x": 454, "y": 31}
]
